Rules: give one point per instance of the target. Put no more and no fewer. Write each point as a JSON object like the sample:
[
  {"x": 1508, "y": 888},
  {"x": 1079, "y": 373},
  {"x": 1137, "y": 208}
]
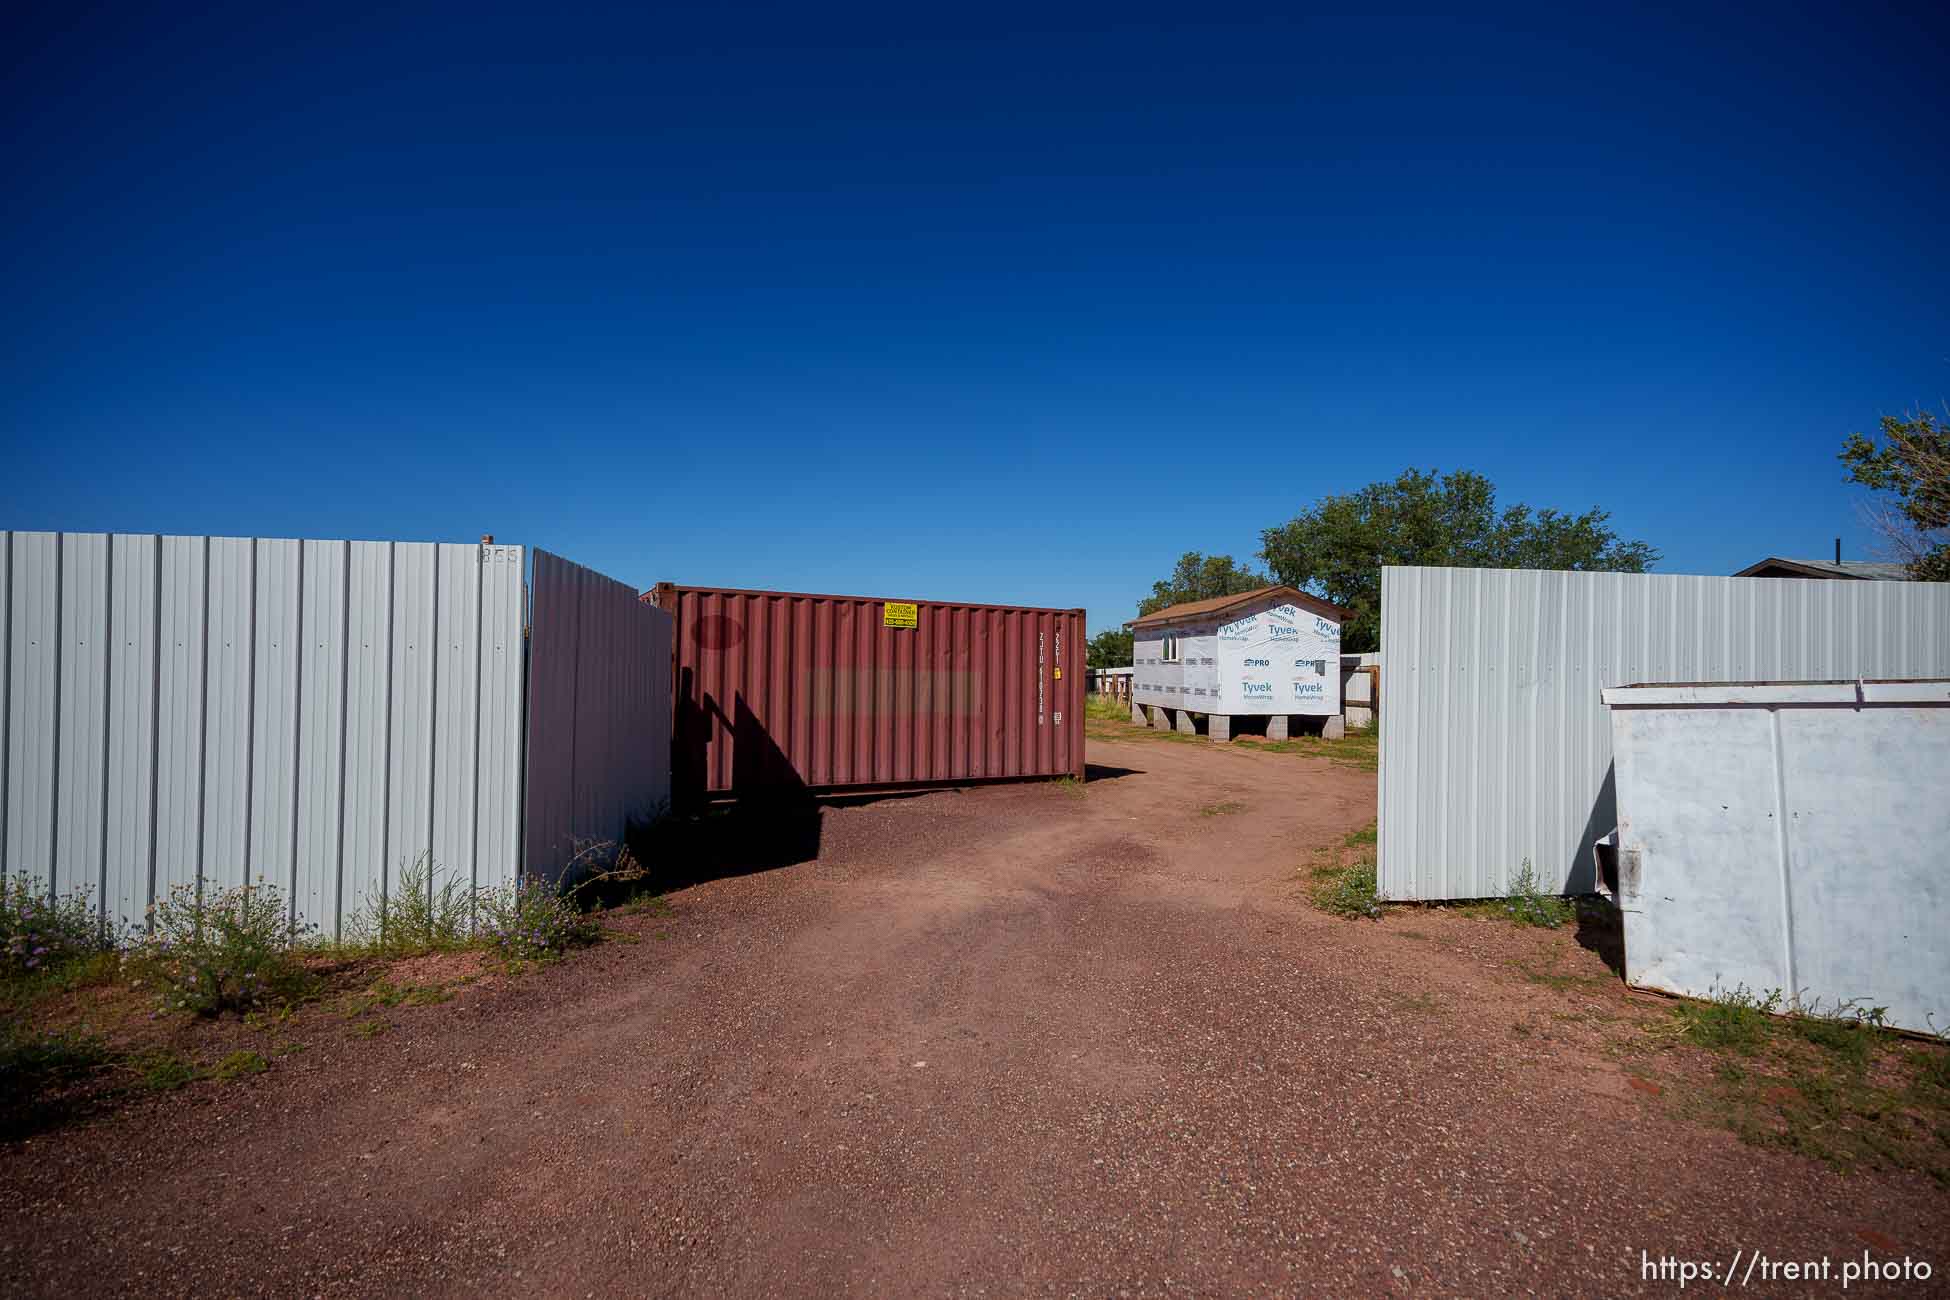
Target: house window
[{"x": 1171, "y": 647}]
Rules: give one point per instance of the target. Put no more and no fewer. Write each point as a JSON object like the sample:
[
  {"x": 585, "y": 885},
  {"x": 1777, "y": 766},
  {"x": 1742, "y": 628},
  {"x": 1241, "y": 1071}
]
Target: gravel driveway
[{"x": 1012, "y": 1040}]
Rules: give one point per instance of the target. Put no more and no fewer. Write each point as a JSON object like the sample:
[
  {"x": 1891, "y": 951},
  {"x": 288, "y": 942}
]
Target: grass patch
[
  {"x": 370, "y": 1028},
  {"x": 239, "y": 1065},
  {"x": 1225, "y": 809},
  {"x": 161, "y": 1070},
  {"x": 1739, "y": 1021},
  {"x": 43, "y": 1074},
  {"x": 1347, "y": 891},
  {"x": 1068, "y": 785},
  {"x": 1358, "y": 749},
  {"x": 1832, "y": 1086},
  {"x": 386, "y": 994},
  {"x": 31, "y": 1059},
  {"x": 1127, "y": 730},
  {"x": 1561, "y": 981},
  {"x": 1525, "y": 903},
  {"x": 1106, "y": 708},
  {"x": 1343, "y": 878}
]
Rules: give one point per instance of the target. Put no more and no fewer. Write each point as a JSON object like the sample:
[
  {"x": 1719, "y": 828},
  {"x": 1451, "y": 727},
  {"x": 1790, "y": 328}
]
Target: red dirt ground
[{"x": 1013, "y": 1040}]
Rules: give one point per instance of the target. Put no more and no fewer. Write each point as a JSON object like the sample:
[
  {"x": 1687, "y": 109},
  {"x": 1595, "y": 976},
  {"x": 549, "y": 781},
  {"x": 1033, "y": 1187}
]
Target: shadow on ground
[
  {"x": 1601, "y": 930},
  {"x": 725, "y": 840}
]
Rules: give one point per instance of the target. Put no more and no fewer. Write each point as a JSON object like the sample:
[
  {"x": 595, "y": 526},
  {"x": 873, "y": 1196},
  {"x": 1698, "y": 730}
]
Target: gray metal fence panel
[
  {"x": 598, "y": 711},
  {"x": 318, "y": 713},
  {"x": 1495, "y": 745}
]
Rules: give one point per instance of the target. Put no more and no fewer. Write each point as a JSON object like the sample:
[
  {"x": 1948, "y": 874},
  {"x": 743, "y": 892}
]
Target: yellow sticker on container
[
  {"x": 1059, "y": 674},
  {"x": 897, "y": 613}
]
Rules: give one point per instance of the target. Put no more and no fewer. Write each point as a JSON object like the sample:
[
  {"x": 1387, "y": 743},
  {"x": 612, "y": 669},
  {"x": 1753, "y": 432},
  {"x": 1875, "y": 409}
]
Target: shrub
[
  {"x": 1529, "y": 905},
  {"x": 423, "y": 912},
  {"x": 39, "y": 930},
  {"x": 234, "y": 950},
  {"x": 529, "y": 920}
]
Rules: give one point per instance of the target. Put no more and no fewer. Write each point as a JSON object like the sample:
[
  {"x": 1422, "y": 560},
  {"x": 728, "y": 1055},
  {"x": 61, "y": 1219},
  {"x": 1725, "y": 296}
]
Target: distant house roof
[
  {"x": 1872, "y": 570},
  {"x": 1218, "y": 605}
]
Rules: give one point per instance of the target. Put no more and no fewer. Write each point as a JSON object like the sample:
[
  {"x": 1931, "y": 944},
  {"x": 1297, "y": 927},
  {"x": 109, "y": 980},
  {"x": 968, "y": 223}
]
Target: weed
[
  {"x": 1347, "y": 891},
  {"x": 1527, "y": 904},
  {"x": 287, "y": 1049},
  {"x": 370, "y": 1028},
  {"x": 1225, "y": 809},
  {"x": 239, "y": 1064},
  {"x": 528, "y": 921},
  {"x": 426, "y": 910},
  {"x": 235, "y": 950},
  {"x": 161, "y": 1070},
  {"x": 1068, "y": 785},
  {"x": 606, "y": 871},
  {"x": 41, "y": 930},
  {"x": 1364, "y": 837}
]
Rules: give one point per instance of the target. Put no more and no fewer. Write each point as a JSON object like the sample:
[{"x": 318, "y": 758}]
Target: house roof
[
  {"x": 1872, "y": 570},
  {"x": 1217, "y": 605}
]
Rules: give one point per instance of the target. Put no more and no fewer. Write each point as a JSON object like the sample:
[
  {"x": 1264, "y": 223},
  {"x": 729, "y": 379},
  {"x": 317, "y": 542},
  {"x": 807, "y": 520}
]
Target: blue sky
[{"x": 1013, "y": 306}]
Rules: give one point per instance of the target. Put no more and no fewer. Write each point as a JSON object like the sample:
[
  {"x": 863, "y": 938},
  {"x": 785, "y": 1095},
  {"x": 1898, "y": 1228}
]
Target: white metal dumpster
[{"x": 1786, "y": 835}]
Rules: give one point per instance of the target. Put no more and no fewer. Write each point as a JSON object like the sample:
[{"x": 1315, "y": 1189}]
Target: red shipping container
[{"x": 777, "y": 692}]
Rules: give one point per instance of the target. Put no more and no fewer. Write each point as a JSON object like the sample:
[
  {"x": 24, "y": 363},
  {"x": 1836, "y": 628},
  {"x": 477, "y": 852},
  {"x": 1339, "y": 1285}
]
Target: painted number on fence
[{"x": 897, "y": 613}]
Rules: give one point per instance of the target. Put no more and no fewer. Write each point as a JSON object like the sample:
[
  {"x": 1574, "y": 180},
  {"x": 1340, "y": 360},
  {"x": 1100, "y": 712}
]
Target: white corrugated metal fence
[{"x": 1495, "y": 744}]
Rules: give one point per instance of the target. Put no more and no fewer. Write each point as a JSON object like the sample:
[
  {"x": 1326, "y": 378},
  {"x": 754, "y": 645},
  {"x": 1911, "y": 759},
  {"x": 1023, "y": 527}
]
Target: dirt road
[{"x": 1014, "y": 1040}]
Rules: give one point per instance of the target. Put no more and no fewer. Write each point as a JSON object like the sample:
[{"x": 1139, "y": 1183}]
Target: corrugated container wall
[
  {"x": 598, "y": 713},
  {"x": 1495, "y": 742},
  {"x": 780, "y": 691}
]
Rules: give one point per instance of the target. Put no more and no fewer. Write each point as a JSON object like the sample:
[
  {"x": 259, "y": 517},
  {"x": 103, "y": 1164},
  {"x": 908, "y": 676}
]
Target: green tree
[
  {"x": 1111, "y": 648},
  {"x": 1337, "y": 548},
  {"x": 1910, "y": 460},
  {"x": 1201, "y": 577}
]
